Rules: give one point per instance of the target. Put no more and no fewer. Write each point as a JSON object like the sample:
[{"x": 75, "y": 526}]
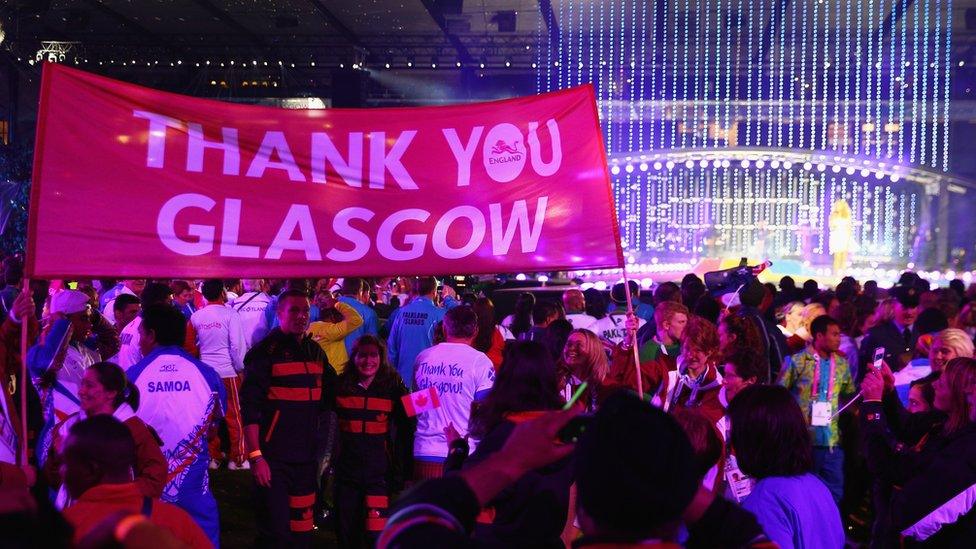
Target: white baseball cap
[{"x": 69, "y": 302}]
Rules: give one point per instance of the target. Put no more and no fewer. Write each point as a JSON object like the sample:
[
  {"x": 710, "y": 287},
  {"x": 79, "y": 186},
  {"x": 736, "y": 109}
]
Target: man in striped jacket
[{"x": 287, "y": 395}]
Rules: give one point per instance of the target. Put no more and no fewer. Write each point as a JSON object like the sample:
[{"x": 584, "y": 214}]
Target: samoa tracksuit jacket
[{"x": 179, "y": 397}]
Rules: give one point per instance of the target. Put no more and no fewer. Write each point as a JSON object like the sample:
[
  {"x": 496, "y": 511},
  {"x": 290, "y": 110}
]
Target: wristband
[
  {"x": 126, "y": 525},
  {"x": 255, "y": 454}
]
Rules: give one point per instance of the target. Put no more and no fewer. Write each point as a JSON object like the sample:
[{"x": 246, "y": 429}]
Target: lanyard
[
  {"x": 664, "y": 348},
  {"x": 815, "y": 394}
]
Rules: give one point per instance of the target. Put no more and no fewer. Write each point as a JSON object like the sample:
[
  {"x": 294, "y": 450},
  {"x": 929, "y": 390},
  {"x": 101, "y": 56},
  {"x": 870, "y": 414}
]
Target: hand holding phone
[
  {"x": 572, "y": 431},
  {"x": 878, "y": 360}
]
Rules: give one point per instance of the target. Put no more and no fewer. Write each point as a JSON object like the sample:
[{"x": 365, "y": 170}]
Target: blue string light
[
  {"x": 816, "y": 69},
  {"x": 936, "y": 77},
  {"x": 946, "y": 67},
  {"x": 749, "y": 77},
  {"x": 879, "y": 67},
  {"x": 642, "y": 62},
  {"x": 903, "y": 83},
  {"x": 789, "y": 76},
  {"x": 925, "y": 95},
  {"x": 802, "y": 79},
  {"x": 849, "y": 104}
]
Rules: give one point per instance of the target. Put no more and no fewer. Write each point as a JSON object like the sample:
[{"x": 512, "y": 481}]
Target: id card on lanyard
[
  {"x": 821, "y": 408},
  {"x": 740, "y": 484}
]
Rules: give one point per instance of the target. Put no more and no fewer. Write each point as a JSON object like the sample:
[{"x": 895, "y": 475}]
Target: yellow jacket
[{"x": 330, "y": 335}]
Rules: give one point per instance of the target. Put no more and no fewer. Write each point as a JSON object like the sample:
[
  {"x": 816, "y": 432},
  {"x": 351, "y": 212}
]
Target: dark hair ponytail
[
  {"x": 522, "y": 317},
  {"x": 112, "y": 378}
]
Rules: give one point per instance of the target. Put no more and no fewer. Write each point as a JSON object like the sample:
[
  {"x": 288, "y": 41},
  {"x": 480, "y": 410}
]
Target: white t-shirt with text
[
  {"x": 252, "y": 308},
  {"x": 581, "y": 321},
  {"x": 458, "y": 372},
  {"x": 220, "y": 338},
  {"x": 613, "y": 327},
  {"x": 129, "y": 352}
]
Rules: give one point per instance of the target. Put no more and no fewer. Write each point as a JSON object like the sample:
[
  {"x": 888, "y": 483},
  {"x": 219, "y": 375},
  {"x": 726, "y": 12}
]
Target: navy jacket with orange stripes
[
  {"x": 375, "y": 434},
  {"x": 289, "y": 391}
]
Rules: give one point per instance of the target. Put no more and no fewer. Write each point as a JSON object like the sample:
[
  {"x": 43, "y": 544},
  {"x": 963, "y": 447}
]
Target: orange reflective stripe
[
  {"x": 377, "y": 502},
  {"x": 351, "y": 402},
  {"x": 361, "y": 403},
  {"x": 379, "y": 404},
  {"x": 315, "y": 368},
  {"x": 300, "y": 502},
  {"x": 288, "y": 369},
  {"x": 375, "y": 524},
  {"x": 300, "y": 394},
  {"x": 304, "y": 525},
  {"x": 368, "y": 427},
  {"x": 274, "y": 422}
]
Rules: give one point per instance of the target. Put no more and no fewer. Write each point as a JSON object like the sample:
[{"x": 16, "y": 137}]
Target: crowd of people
[{"x": 403, "y": 414}]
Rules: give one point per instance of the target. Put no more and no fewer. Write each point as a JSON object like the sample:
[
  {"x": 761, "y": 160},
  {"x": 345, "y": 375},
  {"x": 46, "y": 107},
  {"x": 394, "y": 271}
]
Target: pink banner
[{"x": 130, "y": 182}]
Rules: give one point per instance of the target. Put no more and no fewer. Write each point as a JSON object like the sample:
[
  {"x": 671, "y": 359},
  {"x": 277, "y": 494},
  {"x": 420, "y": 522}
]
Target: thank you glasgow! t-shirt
[{"x": 458, "y": 372}]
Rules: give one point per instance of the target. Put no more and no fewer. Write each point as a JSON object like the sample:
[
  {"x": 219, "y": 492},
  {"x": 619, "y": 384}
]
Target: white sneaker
[
  {"x": 242, "y": 467},
  {"x": 214, "y": 464}
]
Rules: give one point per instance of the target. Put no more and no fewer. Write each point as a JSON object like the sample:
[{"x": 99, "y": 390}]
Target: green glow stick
[{"x": 576, "y": 395}]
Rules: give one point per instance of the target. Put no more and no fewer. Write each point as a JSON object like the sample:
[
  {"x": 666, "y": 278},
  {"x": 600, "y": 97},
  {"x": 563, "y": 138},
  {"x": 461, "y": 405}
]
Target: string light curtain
[{"x": 862, "y": 79}]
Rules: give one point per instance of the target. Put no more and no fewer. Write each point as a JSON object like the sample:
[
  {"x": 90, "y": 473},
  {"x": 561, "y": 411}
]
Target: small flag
[{"x": 421, "y": 401}]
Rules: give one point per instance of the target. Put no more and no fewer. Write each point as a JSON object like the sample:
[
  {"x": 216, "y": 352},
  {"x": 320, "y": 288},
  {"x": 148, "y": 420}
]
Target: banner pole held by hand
[
  {"x": 24, "y": 328},
  {"x": 633, "y": 342}
]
